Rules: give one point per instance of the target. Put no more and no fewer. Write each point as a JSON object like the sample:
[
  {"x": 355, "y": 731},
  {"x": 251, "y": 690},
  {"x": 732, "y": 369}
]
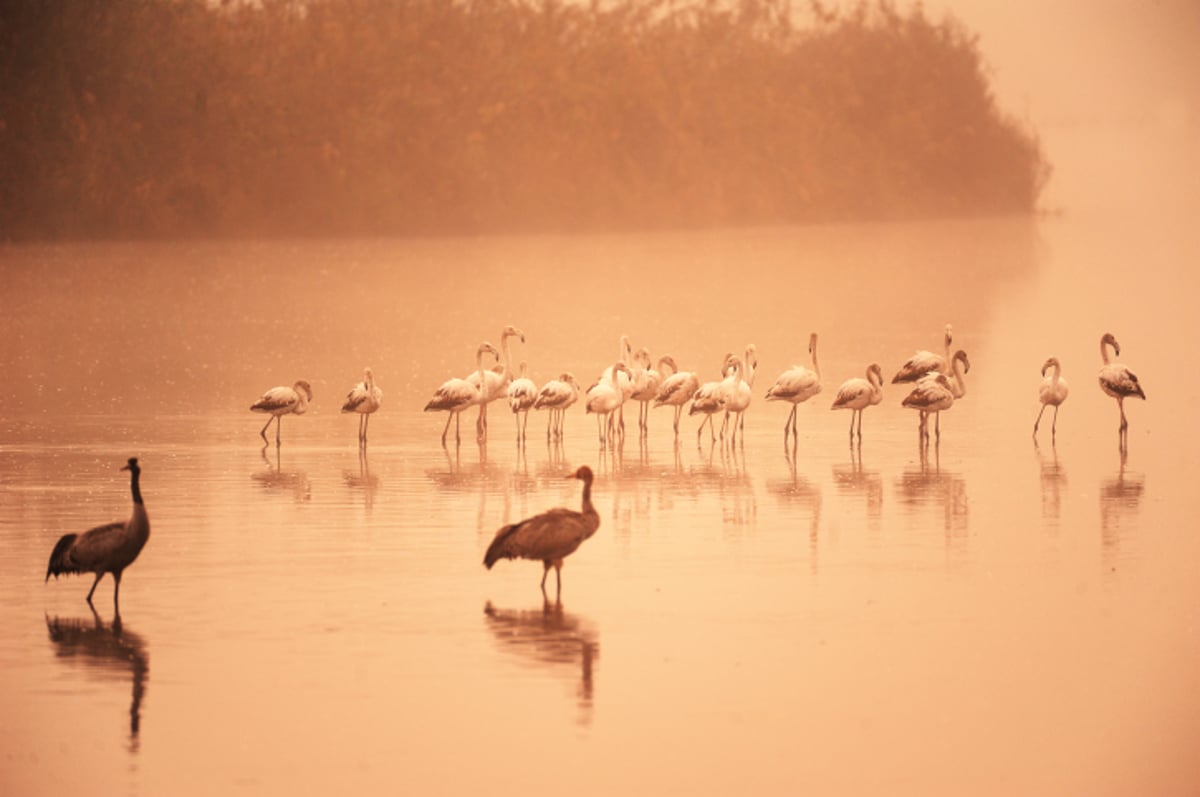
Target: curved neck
[
  {"x": 587, "y": 497},
  {"x": 1055, "y": 373},
  {"x": 507, "y": 357},
  {"x": 960, "y": 386},
  {"x": 812, "y": 347},
  {"x": 612, "y": 377},
  {"x": 668, "y": 362},
  {"x": 1104, "y": 344},
  {"x": 875, "y": 377},
  {"x": 479, "y": 365}
]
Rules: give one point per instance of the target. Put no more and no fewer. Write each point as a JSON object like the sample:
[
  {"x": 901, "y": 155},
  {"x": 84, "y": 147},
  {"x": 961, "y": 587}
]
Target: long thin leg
[
  {"x": 1121, "y": 406},
  {"x": 446, "y": 428},
  {"x": 265, "y": 427},
  {"x": 99, "y": 576},
  {"x": 1039, "y": 418},
  {"x": 678, "y": 411},
  {"x": 117, "y": 591},
  {"x": 1054, "y": 425},
  {"x": 278, "y": 423}
]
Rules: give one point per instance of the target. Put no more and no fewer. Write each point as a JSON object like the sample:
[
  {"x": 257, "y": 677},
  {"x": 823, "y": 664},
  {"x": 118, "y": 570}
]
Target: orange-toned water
[{"x": 992, "y": 616}]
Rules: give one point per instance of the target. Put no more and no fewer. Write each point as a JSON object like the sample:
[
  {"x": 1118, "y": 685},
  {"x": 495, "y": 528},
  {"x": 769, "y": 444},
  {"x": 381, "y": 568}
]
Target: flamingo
[
  {"x": 105, "y": 549},
  {"x": 557, "y": 395},
  {"x": 1052, "y": 393},
  {"x": 550, "y": 536},
  {"x": 624, "y": 355},
  {"x": 495, "y": 380},
  {"x": 522, "y": 392},
  {"x": 923, "y": 362},
  {"x": 677, "y": 389},
  {"x": 739, "y": 398},
  {"x": 364, "y": 398},
  {"x": 280, "y": 401},
  {"x": 857, "y": 394},
  {"x": 456, "y": 395},
  {"x": 936, "y": 392},
  {"x": 797, "y": 384},
  {"x": 710, "y": 397},
  {"x": 1116, "y": 380},
  {"x": 646, "y": 382},
  {"x": 604, "y": 398}
]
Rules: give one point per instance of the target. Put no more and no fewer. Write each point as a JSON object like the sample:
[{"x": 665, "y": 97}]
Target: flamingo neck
[
  {"x": 1104, "y": 344},
  {"x": 960, "y": 386},
  {"x": 816, "y": 366}
]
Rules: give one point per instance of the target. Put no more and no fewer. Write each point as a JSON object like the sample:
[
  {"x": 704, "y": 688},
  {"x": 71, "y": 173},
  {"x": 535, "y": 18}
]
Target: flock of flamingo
[{"x": 937, "y": 379}]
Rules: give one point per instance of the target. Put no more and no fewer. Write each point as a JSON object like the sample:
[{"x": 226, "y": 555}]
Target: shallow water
[{"x": 990, "y": 616}]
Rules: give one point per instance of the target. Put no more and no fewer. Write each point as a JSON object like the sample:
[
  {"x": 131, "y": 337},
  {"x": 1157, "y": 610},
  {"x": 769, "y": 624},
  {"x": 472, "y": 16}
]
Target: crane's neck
[
  {"x": 588, "y": 509},
  {"x": 135, "y": 488}
]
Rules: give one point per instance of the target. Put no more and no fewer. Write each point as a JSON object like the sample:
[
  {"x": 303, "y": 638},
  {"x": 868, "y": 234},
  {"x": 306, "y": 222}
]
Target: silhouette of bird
[
  {"x": 105, "y": 549},
  {"x": 857, "y": 394},
  {"x": 677, "y": 389},
  {"x": 1116, "y": 380},
  {"x": 456, "y": 395},
  {"x": 522, "y": 392},
  {"x": 556, "y": 395},
  {"x": 797, "y": 384},
  {"x": 280, "y": 401},
  {"x": 364, "y": 398},
  {"x": 1052, "y": 392},
  {"x": 549, "y": 537},
  {"x": 923, "y": 362}
]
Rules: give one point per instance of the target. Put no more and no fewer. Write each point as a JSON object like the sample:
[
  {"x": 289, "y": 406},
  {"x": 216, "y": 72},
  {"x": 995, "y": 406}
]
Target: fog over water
[{"x": 988, "y": 615}]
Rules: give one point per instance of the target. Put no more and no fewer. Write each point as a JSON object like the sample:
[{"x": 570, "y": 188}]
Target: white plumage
[
  {"x": 456, "y": 395},
  {"x": 522, "y": 392},
  {"x": 1052, "y": 392},
  {"x": 797, "y": 384},
  {"x": 364, "y": 398},
  {"x": 924, "y": 362},
  {"x": 857, "y": 394},
  {"x": 280, "y": 401},
  {"x": 1117, "y": 380},
  {"x": 557, "y": 395},
  {"x": 677, "y": 389}
]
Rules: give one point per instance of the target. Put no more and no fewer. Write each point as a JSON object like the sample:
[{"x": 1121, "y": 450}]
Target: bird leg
[
  {"x": 265, "y": 426},
  {"x": 446, "y": 428},
  {"x": 278, "y": 423},
  {"x": 117, "y": 591},
  {"x": 1039, "y": 418},
  {"x": 678, "y": 411},
  {"x": 1121, "y": 406},
  {"x": 1054, "y": 425},
  {"x": 860, "y": 413},
  {"x": 99, "y": 576}
]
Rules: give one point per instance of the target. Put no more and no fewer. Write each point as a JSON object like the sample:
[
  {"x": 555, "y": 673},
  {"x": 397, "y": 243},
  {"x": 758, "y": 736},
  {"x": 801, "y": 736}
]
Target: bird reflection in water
[
  {"x": 853, "y": 479},
  {"x": 799, "y": 491},
  {"x": 275, "y": 478},
  {"x": 930, "y": 485},
  {"x": 1054, "y": 481},
  {"x": 105, "y": 650},
  {"x": 479, "y": 480},
  {"x": 552, "y": 639},
  {"x": 1120, "y": 504},
  {"x": 362, "y": 479}
]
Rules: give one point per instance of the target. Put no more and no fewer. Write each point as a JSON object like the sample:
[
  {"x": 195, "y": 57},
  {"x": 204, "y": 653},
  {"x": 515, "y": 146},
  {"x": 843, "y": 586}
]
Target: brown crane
[
  {"x": 550, "y": 536},
  {"x": 105, "y": 549}
]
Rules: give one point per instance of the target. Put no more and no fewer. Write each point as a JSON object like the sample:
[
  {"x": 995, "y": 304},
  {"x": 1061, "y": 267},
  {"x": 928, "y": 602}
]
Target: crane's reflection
[
  {"x": 1120, "y": 505},
  {"x": 105, "y": 650},
  {"x": 553, "y": 639},
  {"x": 275, "y": 478}
]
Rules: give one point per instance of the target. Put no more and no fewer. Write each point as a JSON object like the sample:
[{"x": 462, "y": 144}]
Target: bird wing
[
  {"x": 794, "y": 382},
  {"x": 677, "y": 389},
  {"x": 930, "y": 394},
  {"x": 94, "y": 547},
  {"x": 275, "y": 400},
  {"x": 852, "y": 390},
  {"x": 552, "y": 394},
  {"x": 452, "y": 395},
  {"x": 918, "y": 365},
  {"x": 355, "y": 398},
  {"x": 1117, "y": 380},
  {"x": 550, "y": 535}
]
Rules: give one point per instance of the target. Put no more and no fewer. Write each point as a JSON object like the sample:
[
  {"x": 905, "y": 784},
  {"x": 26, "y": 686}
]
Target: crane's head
[
  {"x": 584, "y": 473},
  {"x": 132, "y": 465}
]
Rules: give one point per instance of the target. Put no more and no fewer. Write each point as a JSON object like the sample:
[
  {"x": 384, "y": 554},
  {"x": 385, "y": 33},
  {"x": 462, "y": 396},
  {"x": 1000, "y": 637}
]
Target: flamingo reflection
[
  {"x": 929, "y": 485},
  {"x": 551, "y": 639},
  {"x": 363, "y": 479},
  {"x": 1054, "y": 481},
  {"x": 854, "y": 480},
  {"x": 798, "y": 491},
  {"x": 104, "y": 650},
  {"x": 1120, "y": 504},
  {"x": 275, "y": 478}
]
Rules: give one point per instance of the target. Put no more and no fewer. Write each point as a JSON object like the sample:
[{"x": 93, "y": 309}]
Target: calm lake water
[{"x": 993, "y": 616}]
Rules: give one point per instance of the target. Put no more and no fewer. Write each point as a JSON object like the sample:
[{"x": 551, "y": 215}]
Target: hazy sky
[{"x": 1084, "y": 61}]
